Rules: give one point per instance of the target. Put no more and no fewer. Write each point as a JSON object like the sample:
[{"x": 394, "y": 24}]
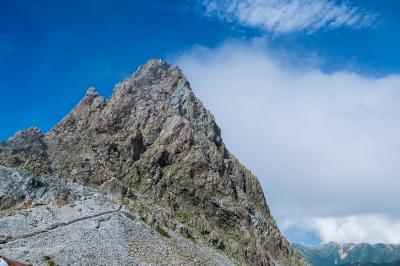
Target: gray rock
[
  {"x": 87, "y": 228},
  {"x": 154, "y": 148}
]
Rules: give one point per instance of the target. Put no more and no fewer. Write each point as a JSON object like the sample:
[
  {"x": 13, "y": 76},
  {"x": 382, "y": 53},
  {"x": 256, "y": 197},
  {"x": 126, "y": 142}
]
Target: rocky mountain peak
[
  {"x": 29, "y": 134},
  {"x": 91, "y": 93},
  {"x": 153, "y": 147},
  {"x": 149, "y": 75},
  {"x": 156, "y": 68},
  {"x": 92, "y": 99}
]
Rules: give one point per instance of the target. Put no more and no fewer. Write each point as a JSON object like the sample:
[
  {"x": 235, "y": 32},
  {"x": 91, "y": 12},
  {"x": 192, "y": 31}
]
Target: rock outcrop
[
  {"x": 154, "y": 148},
  {"x": 65, "y": 223}
]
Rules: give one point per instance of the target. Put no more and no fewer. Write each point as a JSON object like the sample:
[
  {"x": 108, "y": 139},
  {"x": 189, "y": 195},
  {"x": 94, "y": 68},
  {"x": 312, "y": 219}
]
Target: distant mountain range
[{"x": 351, "y": 254}]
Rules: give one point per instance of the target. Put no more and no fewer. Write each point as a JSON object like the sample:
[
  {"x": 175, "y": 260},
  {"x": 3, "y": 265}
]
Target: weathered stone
[
  {"x": 89, "y": 230},
  {"x": 155, "y": 144}
]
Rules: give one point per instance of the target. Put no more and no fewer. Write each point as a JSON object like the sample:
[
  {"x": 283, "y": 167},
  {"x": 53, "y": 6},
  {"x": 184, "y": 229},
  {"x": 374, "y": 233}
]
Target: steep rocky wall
[{"x": 155, "y": 148}]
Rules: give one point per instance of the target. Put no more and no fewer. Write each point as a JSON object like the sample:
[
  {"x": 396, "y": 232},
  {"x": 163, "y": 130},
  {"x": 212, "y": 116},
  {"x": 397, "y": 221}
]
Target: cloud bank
[
  {"x": 284, "y": 16},
  {"x": 324, "y": 146},
  {"x": 371, "y": 228}
]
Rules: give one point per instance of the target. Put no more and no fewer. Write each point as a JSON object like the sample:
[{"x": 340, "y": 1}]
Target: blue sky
[{"x": 52, "y": 51}]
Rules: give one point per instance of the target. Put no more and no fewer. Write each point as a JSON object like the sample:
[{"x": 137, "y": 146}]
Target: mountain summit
[{"x": 153, "y": 148}]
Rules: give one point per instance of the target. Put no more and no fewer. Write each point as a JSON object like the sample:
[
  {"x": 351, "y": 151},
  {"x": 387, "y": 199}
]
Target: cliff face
[{"x": 153, "y": 147}]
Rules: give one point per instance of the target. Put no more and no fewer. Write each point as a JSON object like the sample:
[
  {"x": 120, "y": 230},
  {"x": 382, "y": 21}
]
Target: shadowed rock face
[{"x": 153, "y": 147}]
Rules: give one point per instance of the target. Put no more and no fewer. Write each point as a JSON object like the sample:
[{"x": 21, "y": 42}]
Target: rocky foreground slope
[
  {"x": 51, "y": 220},
  {"x": 153, "y": 148}
]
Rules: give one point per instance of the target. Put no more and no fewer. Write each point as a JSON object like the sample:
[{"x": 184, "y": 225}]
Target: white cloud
[
  {"x": 283, "y": 16},
  {"x": 322, "y": 145},
  {"x": 372, "y": 228}
]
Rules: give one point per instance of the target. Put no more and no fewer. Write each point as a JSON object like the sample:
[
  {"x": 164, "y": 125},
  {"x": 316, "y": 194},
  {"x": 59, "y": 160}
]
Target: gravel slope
[{"x": 47, "y": 219}]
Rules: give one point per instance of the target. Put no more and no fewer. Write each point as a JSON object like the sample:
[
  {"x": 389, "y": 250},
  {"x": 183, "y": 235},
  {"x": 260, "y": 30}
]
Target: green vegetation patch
[
  {"x": 163, "y": 232},
  {"x": 49, "y": 261},
  {"x": 191, "y": 238},
  {"x": 143, "y": 219},
  {"x": 184, "y": 217}
]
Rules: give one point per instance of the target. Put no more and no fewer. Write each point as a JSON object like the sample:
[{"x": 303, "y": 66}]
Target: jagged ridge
[{"x": 153, "y": 146}]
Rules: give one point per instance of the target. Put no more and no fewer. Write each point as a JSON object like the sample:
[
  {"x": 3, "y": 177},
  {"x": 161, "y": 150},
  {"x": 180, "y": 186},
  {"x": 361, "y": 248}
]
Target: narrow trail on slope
[{"x": 60, "y": 225}]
